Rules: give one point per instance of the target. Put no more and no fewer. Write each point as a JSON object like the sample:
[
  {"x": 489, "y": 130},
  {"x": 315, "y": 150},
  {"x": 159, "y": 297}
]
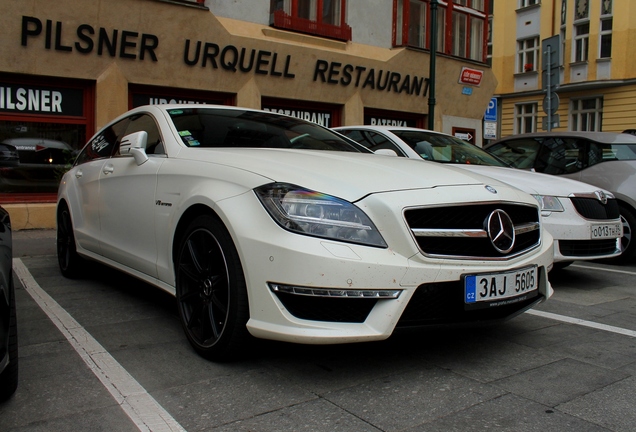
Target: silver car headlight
[
  {"x": 549, "y": 203},
  {"x": 312, "y": 213}
]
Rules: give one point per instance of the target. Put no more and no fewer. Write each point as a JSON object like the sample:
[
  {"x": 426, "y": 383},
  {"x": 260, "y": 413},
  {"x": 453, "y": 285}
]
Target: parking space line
[
  {"x": 604, "y": 269},
  {"x": 581, "y": 322},
  {"x": 140, "y": 406}
]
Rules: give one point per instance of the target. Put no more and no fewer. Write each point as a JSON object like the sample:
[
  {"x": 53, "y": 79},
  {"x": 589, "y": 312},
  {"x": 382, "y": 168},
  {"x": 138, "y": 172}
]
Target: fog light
[{"x": 334, "y": 292}]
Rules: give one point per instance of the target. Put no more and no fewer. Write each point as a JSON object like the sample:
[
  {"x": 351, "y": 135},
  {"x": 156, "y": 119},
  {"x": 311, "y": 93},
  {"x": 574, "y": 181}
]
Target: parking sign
[{"x": 491, "y": 112}]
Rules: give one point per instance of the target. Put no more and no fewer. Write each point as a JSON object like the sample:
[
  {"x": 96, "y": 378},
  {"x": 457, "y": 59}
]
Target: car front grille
[
  {"x": 584, "y": 248},
  {"x": 593, "y": 208},
  {"x": 461, "y": 231},
  {"x": 443, "y": 304}
]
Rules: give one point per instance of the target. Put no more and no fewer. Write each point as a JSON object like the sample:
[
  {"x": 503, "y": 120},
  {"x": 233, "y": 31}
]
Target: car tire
[
  {"x": 9, "y": 376},
  {"x": 629, "y": 245},
  {"x": 211, "y": 291},
  {"x": 70, "y": 263}
]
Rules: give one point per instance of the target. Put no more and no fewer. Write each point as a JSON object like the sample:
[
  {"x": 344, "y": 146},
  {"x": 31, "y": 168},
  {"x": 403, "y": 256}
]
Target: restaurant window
[
  {"x": 325, "y": 18},
  {"x": 462, "y": 26},
  {"x": 42, "y": 128},
  {"x": 587, "y": 114}
]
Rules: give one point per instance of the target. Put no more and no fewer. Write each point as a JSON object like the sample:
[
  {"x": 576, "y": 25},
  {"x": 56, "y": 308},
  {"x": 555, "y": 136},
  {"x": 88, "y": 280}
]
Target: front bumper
[
  {"x": 270, "y": 255},
  {"x": 573, "y": 238}
]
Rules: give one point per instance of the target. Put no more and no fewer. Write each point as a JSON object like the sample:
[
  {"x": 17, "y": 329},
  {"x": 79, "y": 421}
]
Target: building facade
[
  {"x": 592, "y": 77},
  {"x": 70, "y": 66}
]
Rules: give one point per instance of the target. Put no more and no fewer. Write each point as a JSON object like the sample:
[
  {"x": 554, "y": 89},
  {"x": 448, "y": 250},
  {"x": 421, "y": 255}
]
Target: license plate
[
  {"x": 604, "y": 231},
  {"x": 499, "y": 289}
]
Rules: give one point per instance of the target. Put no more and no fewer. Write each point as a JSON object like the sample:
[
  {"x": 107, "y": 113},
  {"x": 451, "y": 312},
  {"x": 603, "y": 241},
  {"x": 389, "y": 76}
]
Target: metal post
[
  {"x": 431, "y": 95},
  {"x": 549, "y": 89}
]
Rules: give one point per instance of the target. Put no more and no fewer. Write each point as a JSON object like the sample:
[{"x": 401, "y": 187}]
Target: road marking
[
  {"x": 142, "y": 408},
  {"x": 581, "y": 322},
  {"x": 604, "y": 269}
]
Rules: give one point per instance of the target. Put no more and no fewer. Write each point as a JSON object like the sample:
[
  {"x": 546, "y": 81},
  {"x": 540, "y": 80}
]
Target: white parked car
[
  {"x": 272, "y": 226},
  {"x": 583, "y": 219},
  {"x": 603, "y": 159}
]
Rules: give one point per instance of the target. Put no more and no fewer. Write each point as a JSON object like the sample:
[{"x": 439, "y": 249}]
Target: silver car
[{"x": 603, "y": 159}]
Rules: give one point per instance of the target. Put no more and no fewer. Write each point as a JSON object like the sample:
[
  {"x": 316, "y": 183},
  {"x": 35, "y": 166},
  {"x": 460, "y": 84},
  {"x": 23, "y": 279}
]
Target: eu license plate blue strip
[{"x": 471, "y": 289}]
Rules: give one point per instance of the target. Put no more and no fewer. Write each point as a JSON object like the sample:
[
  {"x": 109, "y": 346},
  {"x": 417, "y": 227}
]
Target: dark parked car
[
  {"x": 8, "y": 156},
  {"x": 8, "y": 324},
  {"x": 37, "y": 166},
  {"x": 603, "y": 159}
]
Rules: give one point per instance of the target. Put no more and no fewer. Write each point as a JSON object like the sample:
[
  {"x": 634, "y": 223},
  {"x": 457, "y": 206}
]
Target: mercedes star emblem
[{"x": 501, "y": 231}]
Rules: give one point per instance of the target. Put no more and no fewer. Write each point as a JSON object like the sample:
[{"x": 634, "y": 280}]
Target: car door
[
  {"x": 84, "y": 190},
  {"x": 127, "y": 202}
]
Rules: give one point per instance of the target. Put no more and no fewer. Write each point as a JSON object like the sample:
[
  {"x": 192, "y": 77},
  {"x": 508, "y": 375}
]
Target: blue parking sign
[{"x": 491, "y": 112}]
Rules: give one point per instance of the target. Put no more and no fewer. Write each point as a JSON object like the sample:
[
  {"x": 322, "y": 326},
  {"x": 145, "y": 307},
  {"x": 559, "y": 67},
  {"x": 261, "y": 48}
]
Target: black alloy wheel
[
  {"x": 629, "y": 246},
  {"x": 210, "y": 290},
  {"x": 67, "y": 257}
]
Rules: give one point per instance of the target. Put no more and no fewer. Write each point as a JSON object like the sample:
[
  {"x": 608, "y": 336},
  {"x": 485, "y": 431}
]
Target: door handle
[
  {"x": 78, "y": 174},
  {"x": 108, "y": 169}
]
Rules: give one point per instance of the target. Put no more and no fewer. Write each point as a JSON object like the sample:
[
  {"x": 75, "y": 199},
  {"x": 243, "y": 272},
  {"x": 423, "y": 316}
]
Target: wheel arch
[{"x": 188, "y": 216}]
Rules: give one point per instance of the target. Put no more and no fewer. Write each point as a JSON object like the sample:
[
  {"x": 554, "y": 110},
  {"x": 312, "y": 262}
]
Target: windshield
[
  {"x": 447, "y": 149},
  {"x": 225, "y": 128}
]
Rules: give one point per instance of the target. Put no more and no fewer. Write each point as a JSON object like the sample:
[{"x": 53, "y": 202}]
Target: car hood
[
  {"x": 533, "y": 182},
  {"x": 350, "y": 176}
]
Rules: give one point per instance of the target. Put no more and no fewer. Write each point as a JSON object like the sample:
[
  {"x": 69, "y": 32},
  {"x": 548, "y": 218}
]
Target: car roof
[{"x": 601, "y": 137}]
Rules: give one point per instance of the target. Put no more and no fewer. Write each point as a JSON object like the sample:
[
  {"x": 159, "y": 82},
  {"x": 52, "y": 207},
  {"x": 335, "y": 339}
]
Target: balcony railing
[{"x": 302, "y": 25}]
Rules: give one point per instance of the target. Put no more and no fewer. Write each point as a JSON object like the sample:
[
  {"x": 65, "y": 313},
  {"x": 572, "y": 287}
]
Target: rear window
[{"x": 612, "y": 152}]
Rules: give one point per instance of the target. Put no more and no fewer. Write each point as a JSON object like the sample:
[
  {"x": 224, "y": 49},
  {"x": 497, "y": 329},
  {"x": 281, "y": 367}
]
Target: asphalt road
[{"x": 107, "y": 353}]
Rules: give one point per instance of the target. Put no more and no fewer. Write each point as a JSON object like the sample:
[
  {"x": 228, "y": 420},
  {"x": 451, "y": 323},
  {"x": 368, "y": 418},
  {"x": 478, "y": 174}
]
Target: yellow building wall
[{"x": 618, "y": 93}]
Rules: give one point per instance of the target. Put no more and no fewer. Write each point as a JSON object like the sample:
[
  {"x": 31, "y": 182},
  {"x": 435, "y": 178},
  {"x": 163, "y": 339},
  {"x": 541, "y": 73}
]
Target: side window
[
  {"x": 373, "y": 140},
  {"x": 597, "y": 153},
  {"x": 103, "y": 144},
  {"x": 561, "y": 156},
  {"x": 379, "y": 141},
  {"x": 520, "y": 153},
  {"x": 145, "y": 122}
]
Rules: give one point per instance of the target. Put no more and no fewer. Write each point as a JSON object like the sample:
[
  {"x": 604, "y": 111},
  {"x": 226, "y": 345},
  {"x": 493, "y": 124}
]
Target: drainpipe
[{"x": 431, "y": 95}]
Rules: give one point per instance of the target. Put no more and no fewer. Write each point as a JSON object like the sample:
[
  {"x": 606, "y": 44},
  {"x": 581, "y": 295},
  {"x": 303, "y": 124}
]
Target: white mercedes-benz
[
  {"x": 266, "y": 225},
  {"x": 583, "y": 219}
]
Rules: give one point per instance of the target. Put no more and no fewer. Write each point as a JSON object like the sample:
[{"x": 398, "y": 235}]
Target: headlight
[
  {"x": 549, "y": 203},
  {"x": 312, "y": 213}
]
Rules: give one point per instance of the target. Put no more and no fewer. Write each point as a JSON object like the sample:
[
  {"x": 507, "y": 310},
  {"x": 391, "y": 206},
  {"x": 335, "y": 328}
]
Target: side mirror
[
  {"x": 135, "y": 144},
  {"x": 386, "y": 152}
]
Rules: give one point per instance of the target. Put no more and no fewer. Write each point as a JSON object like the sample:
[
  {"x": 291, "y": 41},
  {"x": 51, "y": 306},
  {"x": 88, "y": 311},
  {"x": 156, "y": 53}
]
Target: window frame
[
  {"x": 580, "y": 115},
  {"x": 605, "y": 35},
  {"x": 521, "y": 117},
  {"x": 523, "y": 52},
  {"x": 288, "y": 15},
  {"x": 528, "y": 3},
  {"x": 470, "y": 43},
  {"x": 581, "y": 42}
]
